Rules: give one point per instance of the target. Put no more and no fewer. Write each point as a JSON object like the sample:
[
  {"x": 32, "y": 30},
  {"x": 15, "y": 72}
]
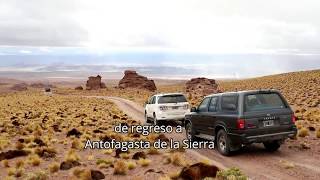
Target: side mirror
[
  {"x": 193, "y": 109},
  {"x": 230, "y": 107},
  {"x": 145, "y": 103}
]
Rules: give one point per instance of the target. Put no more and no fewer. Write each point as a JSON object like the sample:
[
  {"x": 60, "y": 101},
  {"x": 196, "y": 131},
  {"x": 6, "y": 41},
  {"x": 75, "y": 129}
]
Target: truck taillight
[
  {"x": 293, "y": 118},
  {"x": 240, "y": 123}
]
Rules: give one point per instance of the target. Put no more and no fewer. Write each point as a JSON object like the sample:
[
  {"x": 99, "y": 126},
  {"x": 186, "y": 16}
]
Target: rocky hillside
[{"x": 300, "y": 88}]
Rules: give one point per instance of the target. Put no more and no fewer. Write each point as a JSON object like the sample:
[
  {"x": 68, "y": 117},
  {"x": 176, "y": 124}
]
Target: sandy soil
[
  {"x": 88, "y": 116},
  {"x": 292, "y": 161}
]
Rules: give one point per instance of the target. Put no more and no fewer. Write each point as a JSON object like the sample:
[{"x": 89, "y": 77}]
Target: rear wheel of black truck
[
  {"x": 223, "y": 143},
  {"x": 155, "y": 120},
  {"x": 272, "y": 146}
]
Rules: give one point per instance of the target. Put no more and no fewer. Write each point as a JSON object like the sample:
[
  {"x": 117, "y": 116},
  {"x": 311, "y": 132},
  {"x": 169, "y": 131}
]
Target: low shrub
[
  {"x": 303, "y": 132},
  {"x": 120, "y": 168},
  {"x": 232, "y": 173}
]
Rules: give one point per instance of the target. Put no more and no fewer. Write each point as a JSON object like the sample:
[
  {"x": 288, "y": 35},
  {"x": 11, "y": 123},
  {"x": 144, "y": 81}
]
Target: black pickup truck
[{"x": 235, "y": 119}]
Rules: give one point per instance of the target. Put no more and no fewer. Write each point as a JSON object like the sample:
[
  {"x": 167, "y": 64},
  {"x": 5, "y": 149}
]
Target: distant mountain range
[{"x": 80, "y": 72}]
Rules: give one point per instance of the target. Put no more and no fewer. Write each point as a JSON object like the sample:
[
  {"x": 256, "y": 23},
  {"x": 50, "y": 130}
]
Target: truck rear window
[
  {"x": 172, "y": 99},
  {"x": 263, "y": 101},
  {"x": 229, "y": 103}
]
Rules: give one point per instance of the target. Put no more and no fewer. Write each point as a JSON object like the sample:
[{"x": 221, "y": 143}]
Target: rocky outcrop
[
  {"x": 20, "y": 87},
  {"x": 66, "y": 165},
  {"x": 78, "y": 88},
  {"x": 95, "y": 83},
  {"x": 198, "y": 171},
  {"x": 132, "y": 79},
  {"x": 139, "y": 155},
  {"x": 12, "y": 154},
  {"x": 74, "y": 132},
  {"x": 103, "y": 85},
  {"x": 199, "y": 87},
  {"x": 97, "y": 175}
]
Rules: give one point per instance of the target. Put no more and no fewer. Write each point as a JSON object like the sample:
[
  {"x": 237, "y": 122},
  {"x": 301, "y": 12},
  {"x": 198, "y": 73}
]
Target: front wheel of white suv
[
  {"x": 146, "y": 118},
  {"x": 155, "y": 121}
]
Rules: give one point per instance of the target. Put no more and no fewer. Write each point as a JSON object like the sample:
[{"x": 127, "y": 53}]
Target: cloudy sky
[{"x": 164, "y": 38}]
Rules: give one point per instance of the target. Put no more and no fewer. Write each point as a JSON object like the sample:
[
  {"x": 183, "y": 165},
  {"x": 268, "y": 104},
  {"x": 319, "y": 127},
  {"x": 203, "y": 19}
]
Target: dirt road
[{"x": 253, "y": 160}]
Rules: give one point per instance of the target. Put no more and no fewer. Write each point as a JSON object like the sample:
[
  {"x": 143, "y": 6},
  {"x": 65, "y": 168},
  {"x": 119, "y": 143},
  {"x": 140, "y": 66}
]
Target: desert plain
[{"x": 42, "y": 135}]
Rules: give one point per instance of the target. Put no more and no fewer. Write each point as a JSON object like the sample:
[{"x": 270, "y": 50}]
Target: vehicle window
[
  {"x": 203, "y": 107},
  {"x": 150, "y": 100},
  {"x": 263, "y": 101},
  {"x": 172, "y": 99},
  {"x": 229, "y": 103},
  {"x": 154, "y": 100},
  {"x": 213, "y": 104}
]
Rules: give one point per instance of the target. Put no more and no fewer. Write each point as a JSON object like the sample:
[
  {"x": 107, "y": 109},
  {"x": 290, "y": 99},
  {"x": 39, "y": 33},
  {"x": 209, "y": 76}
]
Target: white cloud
[
  {"x": 206, "y": 26},
  {"x": 202, "y": 26},
  {"x": 25, "y": 52},
  {"x": 45, "y": 49}
]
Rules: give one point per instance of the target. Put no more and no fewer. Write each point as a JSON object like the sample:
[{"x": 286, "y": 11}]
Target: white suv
[{"x": 166, "y": 107}]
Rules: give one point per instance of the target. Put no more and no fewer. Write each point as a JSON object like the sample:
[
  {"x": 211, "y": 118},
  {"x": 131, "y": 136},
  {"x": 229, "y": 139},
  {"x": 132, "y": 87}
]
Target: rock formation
[
  {"x": 133, "y": 80},
  {"x": 95, "y": 83},
  {"x": 199, "y": 171},
  {"x": 199, "y": 87},
  {"x": 78, "y": 88},
  {"x": 20, "y": 87}
]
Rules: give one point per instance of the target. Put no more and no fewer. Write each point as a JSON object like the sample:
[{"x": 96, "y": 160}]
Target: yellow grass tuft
[
  {"x": 86, "y": 175},
  {"x": 16, "y": 172},
  {"x": 104, "y": 163},
  {"x": 153, "y": 151},
  {"x": 174, "y": 174},
  {"x": 303, "y": 132},
  {"x": 64, "y": 142},
  {"x": 3, "y": 143},
  {"x": 9, "y": 178},
  {"x": 54, "y": 167},
  {"x": 19, "y": 164},
  {"x": 206, "y": 161},
  {"x": 124, "y": 156},
  {"x": 76, "y": 144},
  {"x": 120, "y": 168},
  {"x": 34, "y": 160},
  {"x": 131, "y": 165},
  {"x": 164, "y": 178},
  {"x": 82, "y": 174},
  {"x": 5, "y": 163},
  {"x": 72, "y": 156},
  {"x": 178, "y": 159},
  {"x": 318, "y": 133},
  {"x": 144, "y": 162},
  {"x": 90, "y": 157},
  {"x": 11, "y": 171},
  {"x": 107, "y": 151},
  {"x": 38, "y": 175},
  {"x": 287, "y": 164},
  {"x": 77, "y": 171}
]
